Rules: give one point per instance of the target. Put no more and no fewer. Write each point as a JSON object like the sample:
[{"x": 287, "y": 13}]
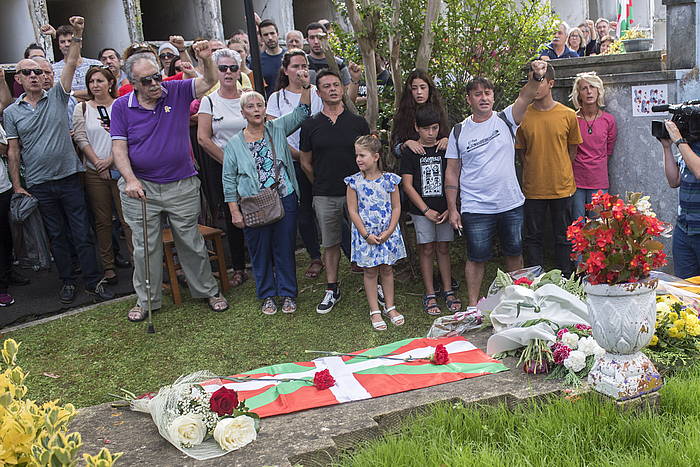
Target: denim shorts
[{"x": 479, "y": 230}]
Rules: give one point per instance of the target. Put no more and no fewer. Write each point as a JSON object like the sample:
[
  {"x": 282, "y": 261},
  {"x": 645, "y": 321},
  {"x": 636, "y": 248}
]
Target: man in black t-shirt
[
  {"x": 315, "y": 32},
  {"x": 423, "y": 181},
  {"x": 327, "y": 145}
]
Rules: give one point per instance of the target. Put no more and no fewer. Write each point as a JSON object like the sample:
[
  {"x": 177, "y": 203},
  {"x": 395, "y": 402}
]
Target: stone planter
[
  {"x": 623, "y": 318},
  {"x": 638, "y": 45}
]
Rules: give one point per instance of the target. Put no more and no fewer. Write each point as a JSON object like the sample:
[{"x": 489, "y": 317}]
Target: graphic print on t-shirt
[
  {"x": 431, "y": 175},
  {"x": 477, "y": 143}
]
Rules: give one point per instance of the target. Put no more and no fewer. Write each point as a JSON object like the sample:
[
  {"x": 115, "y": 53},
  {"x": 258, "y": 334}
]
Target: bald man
[
  {"x": 294, "y": 39},
  {"x": 37, "y": 134}
]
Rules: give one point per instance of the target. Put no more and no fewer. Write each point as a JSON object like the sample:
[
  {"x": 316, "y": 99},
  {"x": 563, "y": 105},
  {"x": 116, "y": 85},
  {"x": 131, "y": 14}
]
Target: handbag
[{"x": 265, "y": 208}]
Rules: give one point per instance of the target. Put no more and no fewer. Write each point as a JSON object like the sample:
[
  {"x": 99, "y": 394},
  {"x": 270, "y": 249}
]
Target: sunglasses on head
[
  {"x": 29, "y": 71},
  {"x": 166, "y": 55},
  {"x": 232, "y": 68},
  {"x": 146, "y": 80}
]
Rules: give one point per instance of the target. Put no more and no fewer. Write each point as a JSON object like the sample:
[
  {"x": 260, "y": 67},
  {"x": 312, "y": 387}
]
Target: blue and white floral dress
[{"x": 374, "y": 207}]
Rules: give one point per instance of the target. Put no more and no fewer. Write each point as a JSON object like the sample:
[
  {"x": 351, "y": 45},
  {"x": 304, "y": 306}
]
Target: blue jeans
[
  {"x": 686, "y": 254},
  {"x": 479, "y": 230},
  {"x": 271, "y": 251},
  {"x": 306, "y": 216},
  {"x": 581, "y": 198},
  {"x": 65, "y": 214}
]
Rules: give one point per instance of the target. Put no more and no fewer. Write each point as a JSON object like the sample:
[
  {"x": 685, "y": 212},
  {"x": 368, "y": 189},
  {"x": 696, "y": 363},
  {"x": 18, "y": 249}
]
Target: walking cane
[{"x": 151, "y": 329}]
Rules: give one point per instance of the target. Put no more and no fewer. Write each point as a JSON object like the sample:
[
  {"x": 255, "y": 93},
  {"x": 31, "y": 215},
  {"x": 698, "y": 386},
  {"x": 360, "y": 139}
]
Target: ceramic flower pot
[{"x": 622, "y": 319}]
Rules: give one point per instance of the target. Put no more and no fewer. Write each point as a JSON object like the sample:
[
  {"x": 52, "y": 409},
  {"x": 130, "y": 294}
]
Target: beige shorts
[{"x": 331, "y": 212}]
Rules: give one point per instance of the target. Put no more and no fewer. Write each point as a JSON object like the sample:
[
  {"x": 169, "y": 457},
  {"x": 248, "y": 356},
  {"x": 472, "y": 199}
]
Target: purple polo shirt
[{"x": 159, "y": 140}]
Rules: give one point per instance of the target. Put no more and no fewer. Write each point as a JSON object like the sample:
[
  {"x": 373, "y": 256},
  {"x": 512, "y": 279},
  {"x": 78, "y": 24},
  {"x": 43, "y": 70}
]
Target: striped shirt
[{"x": 689, "y": 198}]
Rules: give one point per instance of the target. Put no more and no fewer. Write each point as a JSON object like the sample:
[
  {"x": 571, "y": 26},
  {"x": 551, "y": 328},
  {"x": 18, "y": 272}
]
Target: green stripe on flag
[
  {"x": 273, "y": 393},
  {"x": 485, "y": 367}
]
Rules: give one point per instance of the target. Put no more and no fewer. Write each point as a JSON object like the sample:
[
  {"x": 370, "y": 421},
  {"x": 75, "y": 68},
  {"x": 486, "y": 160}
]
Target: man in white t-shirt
[
  {"x": 282, "y": 102},
  {"x": 481, "y": 165}
]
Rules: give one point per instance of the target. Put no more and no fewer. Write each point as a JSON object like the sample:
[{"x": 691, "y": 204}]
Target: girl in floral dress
[{"x": 374, "y": 208}]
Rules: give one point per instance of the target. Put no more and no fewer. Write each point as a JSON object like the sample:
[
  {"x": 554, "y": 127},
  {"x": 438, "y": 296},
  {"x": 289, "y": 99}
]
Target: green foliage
[{"x": 587, "y": 430}]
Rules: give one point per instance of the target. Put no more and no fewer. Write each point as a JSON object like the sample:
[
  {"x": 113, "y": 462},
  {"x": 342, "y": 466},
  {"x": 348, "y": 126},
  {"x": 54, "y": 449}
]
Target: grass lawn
[
  {"x": 98, "y": 351},
  {"x": 589, "y": 431}
]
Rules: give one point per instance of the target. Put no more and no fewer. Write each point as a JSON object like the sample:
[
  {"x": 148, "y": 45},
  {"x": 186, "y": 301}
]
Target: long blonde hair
[{"x": 594, "y": 80}]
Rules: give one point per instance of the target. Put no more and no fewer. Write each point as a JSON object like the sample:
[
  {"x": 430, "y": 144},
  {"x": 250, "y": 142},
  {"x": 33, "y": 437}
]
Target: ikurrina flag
[
  {"x": 624, "y": 16},
  {"x": 358, "y": 378}
]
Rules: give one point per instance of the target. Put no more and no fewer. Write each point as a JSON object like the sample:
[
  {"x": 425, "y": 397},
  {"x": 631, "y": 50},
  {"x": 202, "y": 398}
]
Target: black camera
[{"x": 686, "y": 116}]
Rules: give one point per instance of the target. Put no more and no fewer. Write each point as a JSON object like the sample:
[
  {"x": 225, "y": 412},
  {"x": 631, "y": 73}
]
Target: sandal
[
  {"x": 269, "y": 307},
  {"x": 397, "y": 320},
  {"x": 218, "y": 303},
  {"x": 289, "y": 305},
  {"x": 314, "y": 269},
  {"x": 377, "y": 325},
  {"x": 136, "y": 314},
  {"x": 453, "y": 303},
  {"x": 238, "y": 278},
  {"x": 433, "y": 309}
]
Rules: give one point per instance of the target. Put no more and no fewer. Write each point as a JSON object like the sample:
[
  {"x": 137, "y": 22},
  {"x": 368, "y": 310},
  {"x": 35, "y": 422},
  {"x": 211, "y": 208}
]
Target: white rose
[
  {"x": 644, "y": 206},
  {"x": 570, "y": 340},
  {"x": 234, "y": 433},
  {"x": 576, "y": 361},
  {"x": 599, "y": 351},
  {"x": 588, "y": 345},
  {"x": 187, "y": 431}
]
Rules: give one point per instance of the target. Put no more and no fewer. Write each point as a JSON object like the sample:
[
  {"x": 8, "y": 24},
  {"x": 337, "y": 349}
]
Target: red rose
[
  {"x": 523, "y": 281},
  {"x": 224, "y": 401},
  {"x": 440, "y": 357},
  {"x": 323, "y": 379}
]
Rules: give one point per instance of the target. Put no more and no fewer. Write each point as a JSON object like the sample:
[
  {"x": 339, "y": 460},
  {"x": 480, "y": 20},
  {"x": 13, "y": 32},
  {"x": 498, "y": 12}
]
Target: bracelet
[
  {"x": 308, "y": 86},
  {"x": 355, "y": 82},
  {"x": 451, "y": 187},
  {"x": 425, "y": 210},
  {"x": 680, "y": 141},
  {"x": 366, "y": 236},
  {"x": 76, "y": 39}
]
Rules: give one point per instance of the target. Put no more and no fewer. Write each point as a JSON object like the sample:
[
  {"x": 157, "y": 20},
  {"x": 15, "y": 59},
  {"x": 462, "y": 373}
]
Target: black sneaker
[
  {"x": 121, "y": 262},
  {"x": 67, "y": 293},
  {"x": 328, "y": 302},
  {"x": 100, "y": 293},
  {"x": 18, "y": 279}
]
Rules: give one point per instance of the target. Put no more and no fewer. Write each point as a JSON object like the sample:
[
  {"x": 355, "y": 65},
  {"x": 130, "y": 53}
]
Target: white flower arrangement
[
  {"x": 576, "y": 361},
  {"x": 570, "y": 339}
]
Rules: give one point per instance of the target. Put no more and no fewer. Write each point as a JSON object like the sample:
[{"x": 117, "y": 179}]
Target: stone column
[
  {"x": 682, "y": 29},
  {"x": 279, "y": 11},
  {"x": 39, "y": 15},
  {"x": 208, "y": 19},
  {"x": 132, "y": 13}
]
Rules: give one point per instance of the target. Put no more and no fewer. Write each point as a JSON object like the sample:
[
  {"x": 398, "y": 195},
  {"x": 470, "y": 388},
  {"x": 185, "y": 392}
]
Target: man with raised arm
[{"x": 37, "y": 133}]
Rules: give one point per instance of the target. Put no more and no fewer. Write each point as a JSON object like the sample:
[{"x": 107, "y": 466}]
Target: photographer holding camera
[{"x": 684, "y": 172}]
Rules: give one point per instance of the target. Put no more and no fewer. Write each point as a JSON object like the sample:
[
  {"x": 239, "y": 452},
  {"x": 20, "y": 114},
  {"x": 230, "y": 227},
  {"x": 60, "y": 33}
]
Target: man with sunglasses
[
  {"x": 152, "y": 150},
  {"x": 37, "y": 133}
]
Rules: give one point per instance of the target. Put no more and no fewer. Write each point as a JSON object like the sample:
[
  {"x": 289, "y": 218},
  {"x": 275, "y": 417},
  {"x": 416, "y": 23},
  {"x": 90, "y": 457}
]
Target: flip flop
[{"x": 314, "y": 269}]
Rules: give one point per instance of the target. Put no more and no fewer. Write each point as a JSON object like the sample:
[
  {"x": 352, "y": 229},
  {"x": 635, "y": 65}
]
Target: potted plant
[
  {"x": 616, "y": 249},
  {"x": 636, "y": 40}
]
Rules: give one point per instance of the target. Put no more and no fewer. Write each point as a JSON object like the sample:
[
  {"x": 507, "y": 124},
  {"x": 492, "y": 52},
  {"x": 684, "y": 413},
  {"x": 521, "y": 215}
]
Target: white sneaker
[{"x": 328, "y": 302}]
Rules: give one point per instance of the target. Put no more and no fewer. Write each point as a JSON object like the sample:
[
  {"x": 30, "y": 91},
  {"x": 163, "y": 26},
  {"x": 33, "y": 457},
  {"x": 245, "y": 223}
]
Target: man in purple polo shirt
[{"x": 151, "y": 147}]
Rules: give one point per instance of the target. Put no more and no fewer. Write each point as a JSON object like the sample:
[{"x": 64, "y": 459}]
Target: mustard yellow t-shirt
[{"x": 545, "y": 136}]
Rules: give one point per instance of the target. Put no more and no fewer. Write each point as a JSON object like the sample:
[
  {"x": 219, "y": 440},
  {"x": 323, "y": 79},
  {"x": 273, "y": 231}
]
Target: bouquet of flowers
[
  {"x": 200, "y": 424},
  {"x": 677, "y": 336},
  {"x": 554, "y": 276},
  {"x": 574, "y": 353},
  {"x": 618, "y": 245}
]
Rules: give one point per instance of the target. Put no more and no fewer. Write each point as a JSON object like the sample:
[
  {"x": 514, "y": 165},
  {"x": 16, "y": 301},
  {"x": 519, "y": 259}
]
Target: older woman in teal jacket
[{"x": 248, "y": 167}]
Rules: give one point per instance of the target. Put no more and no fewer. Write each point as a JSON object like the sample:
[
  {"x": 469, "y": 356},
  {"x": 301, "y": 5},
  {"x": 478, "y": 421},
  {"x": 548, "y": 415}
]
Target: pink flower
[
  {"x": 581, "y": 327},
  {"x": 561, "y": 332},
  {"x": 560, "y": 352}
]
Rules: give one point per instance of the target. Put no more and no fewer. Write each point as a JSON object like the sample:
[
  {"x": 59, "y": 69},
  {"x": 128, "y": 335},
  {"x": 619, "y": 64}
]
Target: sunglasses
[
  {"x": 29, "y": 71},
  {"x": 166, "y": 56},
  {"x": 146, "y": 80},
  {"x": 231, "y": 68}
]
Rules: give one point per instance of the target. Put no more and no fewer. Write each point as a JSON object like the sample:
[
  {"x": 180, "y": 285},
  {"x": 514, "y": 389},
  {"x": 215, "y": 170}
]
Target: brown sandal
[
  {"x": 314, "y": 269},
  {"x": 218, "y": 303},
  {"x": 137, "y": 314},
  {"x": 238, "y": 278}
]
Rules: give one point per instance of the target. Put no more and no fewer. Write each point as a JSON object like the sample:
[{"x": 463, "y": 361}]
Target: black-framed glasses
[
  {"x": 166, "y": 56},
  {"x": 232, "y": 68},
  {"x": 146, "y": 80},
  {"x": 29, "y": 71}
]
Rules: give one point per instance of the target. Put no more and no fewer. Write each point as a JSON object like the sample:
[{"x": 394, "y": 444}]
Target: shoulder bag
[{"x": 265, "y": 208}]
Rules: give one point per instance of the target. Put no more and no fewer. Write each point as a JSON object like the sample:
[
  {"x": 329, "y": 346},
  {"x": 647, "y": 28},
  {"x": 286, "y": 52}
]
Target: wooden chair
[{"x": 209, "y": 233}]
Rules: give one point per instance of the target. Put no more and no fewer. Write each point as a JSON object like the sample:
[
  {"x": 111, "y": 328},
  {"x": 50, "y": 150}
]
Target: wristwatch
[
  {"x": 307, "y": 86},
  {"x": 76, "y": 39},
  {"x": 427, "y": 208},
  {"x": 680, "y": 141},
  {"x": 366, "y": 236}
]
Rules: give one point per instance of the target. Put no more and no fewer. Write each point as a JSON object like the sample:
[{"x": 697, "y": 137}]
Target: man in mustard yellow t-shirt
[{"x": 547, "y": 141}]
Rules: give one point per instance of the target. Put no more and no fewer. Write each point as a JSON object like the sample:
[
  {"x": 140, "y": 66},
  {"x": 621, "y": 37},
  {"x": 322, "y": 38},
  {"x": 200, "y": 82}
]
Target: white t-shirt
[
  {"x": 99, "y": 138},
  {"x": 5, "y": 183},
  {"x": 488, "y": 183},
  {"x": 283, "y": 102},
  {"x": 226, "y": 118}
]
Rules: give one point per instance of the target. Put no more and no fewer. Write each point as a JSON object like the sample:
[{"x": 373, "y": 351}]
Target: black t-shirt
[
  {"x": 333, "y": 149},
  {"x": 428, "y": 177}
]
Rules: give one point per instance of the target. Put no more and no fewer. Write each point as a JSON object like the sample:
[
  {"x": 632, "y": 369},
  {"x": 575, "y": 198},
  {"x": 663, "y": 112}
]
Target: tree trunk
[
  {"x": 425, "y": 49},
  {"x": 394, "y": 52}
]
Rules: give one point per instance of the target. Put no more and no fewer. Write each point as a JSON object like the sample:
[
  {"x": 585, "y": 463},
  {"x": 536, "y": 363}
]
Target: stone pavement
[{"x": 310, "y": 438}]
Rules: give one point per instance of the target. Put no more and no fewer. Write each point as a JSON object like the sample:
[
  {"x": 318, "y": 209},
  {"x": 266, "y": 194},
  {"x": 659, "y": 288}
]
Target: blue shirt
[
  {"x": 271, "y": 65},
  {"x": 549, "y": 52},
  {"x": 689, "y": 197}
]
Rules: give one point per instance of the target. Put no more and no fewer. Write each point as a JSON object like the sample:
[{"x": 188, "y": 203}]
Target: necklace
[{"x": 590, "y": 127}]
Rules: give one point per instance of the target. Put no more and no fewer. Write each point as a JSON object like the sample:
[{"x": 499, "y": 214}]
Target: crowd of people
[
  {"x": 134, "y": 117},
  {"x": 588, "y": 38}
]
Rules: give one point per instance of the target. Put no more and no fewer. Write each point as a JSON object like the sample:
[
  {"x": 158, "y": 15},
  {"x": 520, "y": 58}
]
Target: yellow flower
[
  {"x": 676, "y": 333},
  {"x": 679, "y": 323},
  {"x": 663, "y": 308},
  {"x": 654, "y": 340},
  {"x": 673, "y": 316}
]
